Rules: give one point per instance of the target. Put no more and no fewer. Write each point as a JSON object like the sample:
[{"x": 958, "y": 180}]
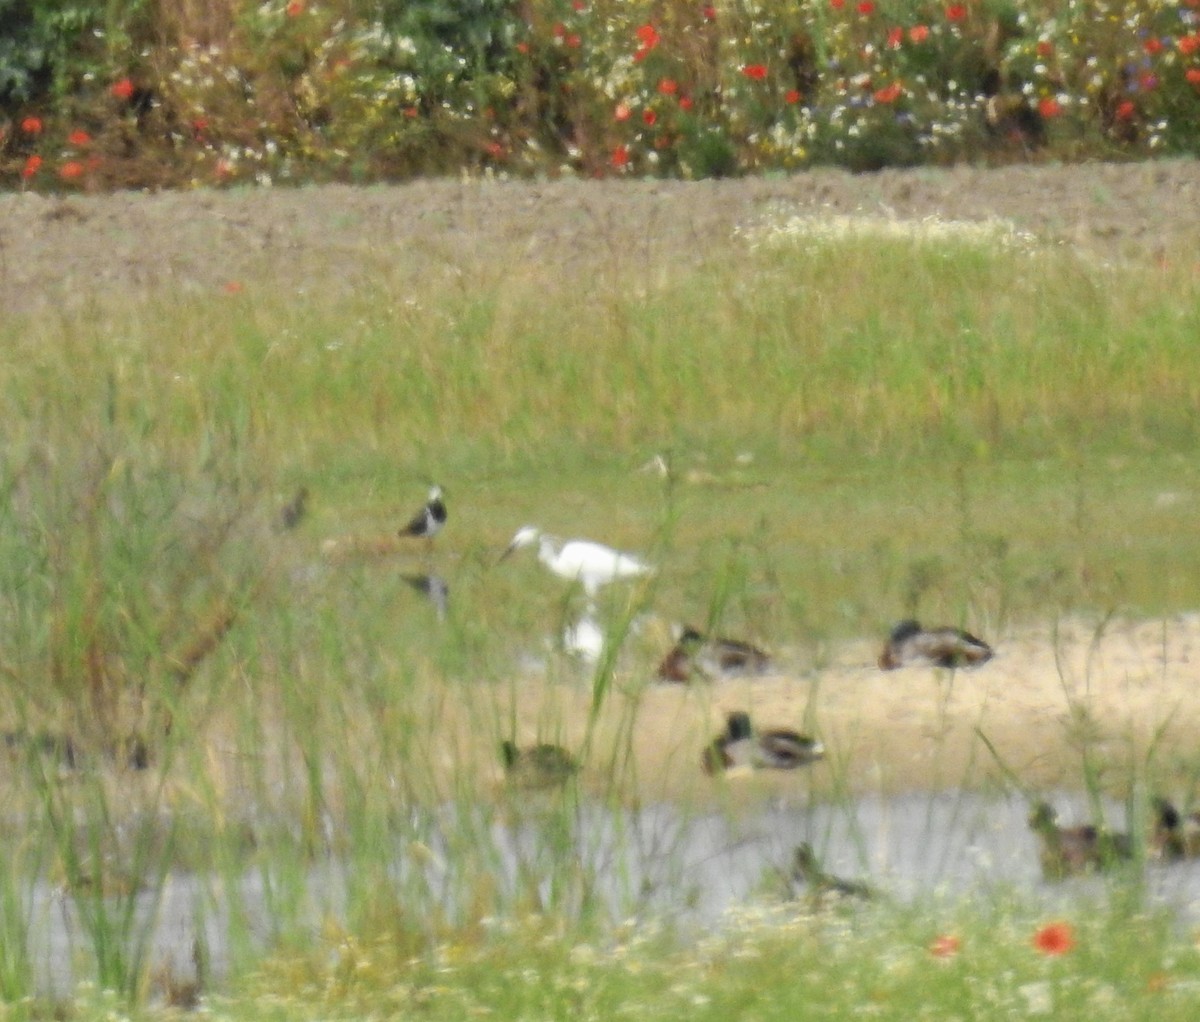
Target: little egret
[
  {"x": 774, "y": 749},
  {"x": 428, "y": 522},
  {"x": 941, "y": 647},
  {"x": 579, "y": 560}
]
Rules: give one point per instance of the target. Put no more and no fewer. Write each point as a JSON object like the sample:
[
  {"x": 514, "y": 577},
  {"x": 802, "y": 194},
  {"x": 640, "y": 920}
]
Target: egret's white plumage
[
  {"x": 584, "y": 639},
  {"x": 579, "y": 560}
]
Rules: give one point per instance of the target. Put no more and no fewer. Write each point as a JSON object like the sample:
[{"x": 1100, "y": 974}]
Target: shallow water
[{"x": 655, "y": 862}]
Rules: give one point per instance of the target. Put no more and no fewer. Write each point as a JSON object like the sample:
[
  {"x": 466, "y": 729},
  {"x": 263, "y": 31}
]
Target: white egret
[{"x": 579, "y": 560}]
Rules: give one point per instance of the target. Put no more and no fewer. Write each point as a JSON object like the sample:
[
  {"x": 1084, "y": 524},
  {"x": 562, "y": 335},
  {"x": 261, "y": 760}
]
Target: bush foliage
[{"x": 99, "y": 95}]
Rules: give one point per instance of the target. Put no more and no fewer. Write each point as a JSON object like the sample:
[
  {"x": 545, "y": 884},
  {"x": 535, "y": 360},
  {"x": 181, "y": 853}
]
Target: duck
[
  {"x": 1065, "y": 851},
  {"x": 579, "y": 560},
  {"x": 941, "y": 647},
  {"x": 822, "y": 886},
  {"x": 694, "y": 654},
  {"x": 739, "y": 745},
  {"x": 428, "y": 522},
  {"x": 1175, "y": 836},
  {"x": 539, "y": 766}
]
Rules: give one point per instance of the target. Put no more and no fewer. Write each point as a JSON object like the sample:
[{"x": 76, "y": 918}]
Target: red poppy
[
  {"x": 894, "y": 38},
  {"x": 1152, "y": 45},
  {"x": 837, "y": 5},
  {"x": 199, "y": 126},
  {"x": 71, "y": 170},
  {"x": 1193, "y": 75},
  {"x": 1044, "y": 48},
  {"x": 1189, "y": 44},
  {"x": 792, "y": 96},
  {"x": 32, "y": 166},
  {"x": 1125, "y": 110},
  {"x": 755, "y": 72},
  {"x": 294, "y": 8},
  {"x": 685, "y": 103},
  {"x": 495, "y": 150},
  {"x": 668, "y": 86},
  {"x": 647, "y": 35},
  {"x": 224, "y": 168},
  {"x": 233, "y": 287},
  {"x": 649, "y": 117},
  {"x": 866, "y": 6},
  {"x": 32, "y": 125},
  {"x": 122, "y": 89},
  {"x": 522, "y": 47},
  {"x": 889, "y": 93},
  {"x": 578, "y": 5},
  {"x": 947, "y": 945},
  {"x": 559, "y": 30},
  {"x": 710, "y": 12},
  {"x": 573, "y": 40},
  {"x": 1054, "y": 939},
  {"x": 620, "y": 156},
  {"x": 79, "y": 137},
  {"x": 918, "y": 33},
  {"x": 1048, "y": 107},
  {"x": 640, "y": 54},
  {"x": 956, "y": 12},
  {"x": 1148, "y": 81},
  {"x": 622, "y": 112}
]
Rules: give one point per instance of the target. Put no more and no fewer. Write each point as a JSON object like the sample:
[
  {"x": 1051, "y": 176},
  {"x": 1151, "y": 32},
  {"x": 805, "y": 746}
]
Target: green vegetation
[{"x": 852, "y": 429}]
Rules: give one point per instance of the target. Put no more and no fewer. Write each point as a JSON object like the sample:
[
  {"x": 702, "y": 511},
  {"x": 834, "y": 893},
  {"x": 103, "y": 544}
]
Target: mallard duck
[
  {"x": 774, "y": 749},
  {"x": 539, "y": 766},
  {"x": 1175, "y": 836},
  {"x": 694, "y": 654},
  {"x": 941, "y": 647},
  {"x": 428, "y": 522},
  {"x": 823, "y": 886},
  {"x": 1068, "y": 850}
]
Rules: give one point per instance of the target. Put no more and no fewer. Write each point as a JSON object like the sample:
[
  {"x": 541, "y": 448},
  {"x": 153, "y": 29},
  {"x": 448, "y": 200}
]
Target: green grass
[{"x": 855, "y": 431}]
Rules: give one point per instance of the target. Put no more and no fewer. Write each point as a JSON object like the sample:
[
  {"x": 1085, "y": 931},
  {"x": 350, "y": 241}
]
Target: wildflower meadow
[{"x": 98, "y": 96}]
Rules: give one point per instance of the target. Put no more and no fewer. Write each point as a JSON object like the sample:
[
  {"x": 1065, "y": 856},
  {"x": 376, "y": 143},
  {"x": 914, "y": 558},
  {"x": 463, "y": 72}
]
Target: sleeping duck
[
  {"x": 941, "y": 647},
  {"x": 739, "y": 745},
  {"x": 822, "y": 886},
  {"x": 539, "y": 766},
  {"x": 1066, "y": 851},
  {"x": 1175, "y": 836},
  {"x": 696, "y": 655}
]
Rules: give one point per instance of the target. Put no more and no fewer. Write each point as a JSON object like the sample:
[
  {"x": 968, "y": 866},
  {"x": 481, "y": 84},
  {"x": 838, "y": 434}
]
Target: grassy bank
[{"x": 810, "y": 436}]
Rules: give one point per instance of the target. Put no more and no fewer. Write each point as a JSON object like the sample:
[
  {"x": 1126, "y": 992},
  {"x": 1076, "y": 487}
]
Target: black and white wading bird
[
  {"x": 428, "y": 522},
  {"x": 909, "y": 643}
]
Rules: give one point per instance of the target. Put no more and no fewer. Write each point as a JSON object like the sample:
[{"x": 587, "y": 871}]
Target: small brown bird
[
  {"x": 774, "y": 749},
  {"x": 695, "y": 655},
  {"x": 294, "y": 510},
  {"x": 1175, "y": 836},
  {"x": 940, "y": 647},
  {"x": 1065, "y": 851},
  {"x": 539, "y": 766}
]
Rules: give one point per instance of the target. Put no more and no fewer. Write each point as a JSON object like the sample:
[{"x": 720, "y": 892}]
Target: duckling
[
  {"x": 775, "y": 749},
  {"x": 824, "y": 886},
  {"x": 1175, "y": 836},
  {"x": 1069, "y": 850},
  {"x": 942, "y": 647},
  {"x": 539, "y": 766},
  {"x": 694, "y": 654}
]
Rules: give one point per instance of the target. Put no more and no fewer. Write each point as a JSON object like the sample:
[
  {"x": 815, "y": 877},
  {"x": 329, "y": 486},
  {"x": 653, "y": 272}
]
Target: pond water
[{"x": 653, "y": 862}]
